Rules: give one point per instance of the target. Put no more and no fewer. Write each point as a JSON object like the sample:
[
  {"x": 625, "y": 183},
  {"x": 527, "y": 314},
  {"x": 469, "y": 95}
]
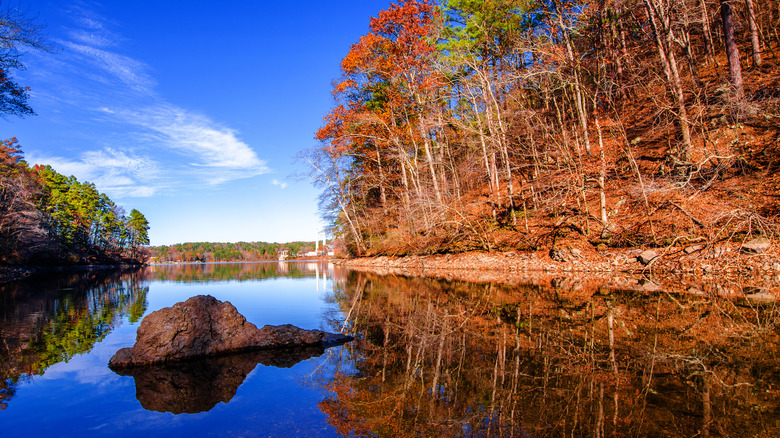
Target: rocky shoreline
[{"x": 731, "y": 271}]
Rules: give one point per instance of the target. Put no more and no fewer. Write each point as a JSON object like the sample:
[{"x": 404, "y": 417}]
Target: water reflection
[
  {"x": 49, "y": 319},
  {"x": 217, "y": 272},
  {"x": 450, "y": 358},
  {"x": 555, "y": 356},
  {"x": 198, "y": 385}
]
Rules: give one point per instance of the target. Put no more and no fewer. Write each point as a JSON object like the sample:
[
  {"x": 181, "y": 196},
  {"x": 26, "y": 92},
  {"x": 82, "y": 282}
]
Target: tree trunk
[
  {"x": 754, "y": 33},
  {"x": 579, "y": 99},
  {"x": 602, "y": 179},
  {"x": 661, "y": 22},
  {"x": 429, "y": 159},
  {"x": 382, "y": 194},
  {"x": 705, "y": 19},
  {"x": 732, "y": 51}
]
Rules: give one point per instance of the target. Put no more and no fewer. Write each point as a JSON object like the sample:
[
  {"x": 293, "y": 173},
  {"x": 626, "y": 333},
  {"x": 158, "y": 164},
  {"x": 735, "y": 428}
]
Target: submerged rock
[{"x": 204, "y": 326}]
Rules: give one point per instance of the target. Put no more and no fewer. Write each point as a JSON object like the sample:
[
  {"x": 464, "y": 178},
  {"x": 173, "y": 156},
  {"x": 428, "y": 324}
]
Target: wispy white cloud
[
  {"x": 146, "y": 132},
  {"x": 92, "y": 38},
  {"x": 282, "y": 185},
  {"x": 118, "y": 173},
  {"x": 128, "y": 70},
  {"x": 204, "y": 142}
]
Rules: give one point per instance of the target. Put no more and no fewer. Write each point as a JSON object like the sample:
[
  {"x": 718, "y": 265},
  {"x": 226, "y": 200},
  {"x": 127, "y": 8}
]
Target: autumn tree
[
  {"x": 46, "y": 217},
  {"x": 385, "y": 118},
  {"x": 485, "y": 124},
  {"x": 21, "y": 231}
]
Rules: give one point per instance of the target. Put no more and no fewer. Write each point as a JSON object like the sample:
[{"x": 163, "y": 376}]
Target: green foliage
[
  {"x": 483, "y": 28},
  {"x": 60, "y": 219},
  {"x": 227, "y": 252},
  {"x": 138, "y": 228}
]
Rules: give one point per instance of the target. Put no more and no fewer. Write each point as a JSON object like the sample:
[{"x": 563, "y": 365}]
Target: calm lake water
[{"x": 432, "y": 358}]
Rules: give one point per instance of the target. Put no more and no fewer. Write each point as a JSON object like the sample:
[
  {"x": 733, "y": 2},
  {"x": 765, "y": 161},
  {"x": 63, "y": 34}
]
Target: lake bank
[
  {"x": 14, "y": 273},
  {"x": 722, "y": 270}
]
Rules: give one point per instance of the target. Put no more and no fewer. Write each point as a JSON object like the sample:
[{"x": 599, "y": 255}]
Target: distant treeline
[
  {"x": 49, "y": 218},
  {"x": 228, "y": 252}
]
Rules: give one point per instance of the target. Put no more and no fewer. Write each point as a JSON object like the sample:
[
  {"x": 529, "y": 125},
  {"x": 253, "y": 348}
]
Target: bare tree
[
  {"x": 751, "y": 16},
  {"x": 732, "y": 51},
  {"x": 17, "y": 31},
  {"x": 660, "y": 21}
]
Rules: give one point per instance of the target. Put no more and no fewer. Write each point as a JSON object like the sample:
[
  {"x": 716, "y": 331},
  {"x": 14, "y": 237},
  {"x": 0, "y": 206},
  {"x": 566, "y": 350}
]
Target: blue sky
[{"x": 191, "y": 112}]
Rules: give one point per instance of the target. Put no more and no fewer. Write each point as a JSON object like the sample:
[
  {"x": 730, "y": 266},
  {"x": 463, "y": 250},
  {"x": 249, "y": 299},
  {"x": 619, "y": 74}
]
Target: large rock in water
[{"x": 204, "y": 326}]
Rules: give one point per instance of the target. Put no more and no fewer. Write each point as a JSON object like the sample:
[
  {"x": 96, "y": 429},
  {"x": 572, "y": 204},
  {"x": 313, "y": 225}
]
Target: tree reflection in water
[
  {"x": 51, "y": 318},
  {"x": 446, "y": 358}
]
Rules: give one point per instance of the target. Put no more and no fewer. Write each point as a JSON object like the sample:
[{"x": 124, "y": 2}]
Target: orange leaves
[
  {"x": 333, "y": 121},
  {"x": 367, "y": 53},
  {"x": 387, "y": 72},
  {"x": 399, "y": 41},
  {"x": 344, "y": 85}
]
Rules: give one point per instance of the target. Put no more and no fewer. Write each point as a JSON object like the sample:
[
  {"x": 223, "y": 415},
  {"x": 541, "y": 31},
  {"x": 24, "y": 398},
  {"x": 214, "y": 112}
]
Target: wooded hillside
[
  {"x": 49, "y": 218},
  {"x": 505, "y": 124}
]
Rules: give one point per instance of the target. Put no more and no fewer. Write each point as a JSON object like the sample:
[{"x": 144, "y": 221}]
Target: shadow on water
[
  {"x": 50, "y": 318},
  {"x": 198, "y": 385},
  {"x": 451, "y": 358}
]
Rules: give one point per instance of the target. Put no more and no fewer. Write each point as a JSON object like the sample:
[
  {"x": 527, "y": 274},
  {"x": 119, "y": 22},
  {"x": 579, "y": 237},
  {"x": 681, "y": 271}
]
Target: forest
[
  {"x": 467, "y": 125},
  {"x": 47, "y": 218},
  {"x": 227, "y": 252}
]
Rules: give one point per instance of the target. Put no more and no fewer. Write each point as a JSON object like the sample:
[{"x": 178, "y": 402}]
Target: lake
[{"x": 432, "y": 357}]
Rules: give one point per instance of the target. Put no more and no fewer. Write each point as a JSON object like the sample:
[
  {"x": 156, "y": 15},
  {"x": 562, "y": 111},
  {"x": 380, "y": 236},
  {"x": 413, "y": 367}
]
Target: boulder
[
  {"x": 756, "y": 246},
  {"x": 204, "y": 326},
  {"x": 565, "y": 254},
  {"x": 647, "y": 256}
]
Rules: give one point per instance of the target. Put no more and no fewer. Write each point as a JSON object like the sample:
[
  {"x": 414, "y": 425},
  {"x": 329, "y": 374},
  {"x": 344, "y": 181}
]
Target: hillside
[{"x": 498, "y": 126}]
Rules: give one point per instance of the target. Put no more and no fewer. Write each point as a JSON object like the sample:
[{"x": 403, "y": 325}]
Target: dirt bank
[{"x": 723, "y": 270}]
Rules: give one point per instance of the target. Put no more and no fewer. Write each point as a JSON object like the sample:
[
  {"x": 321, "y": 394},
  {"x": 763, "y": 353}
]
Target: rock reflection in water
[
  {"x": 198, "y": 385},
  {"x": 450, "y": 358}
]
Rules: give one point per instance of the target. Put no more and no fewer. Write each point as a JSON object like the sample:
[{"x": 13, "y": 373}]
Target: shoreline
[
  {"x": 16, "y": 273},
  {"x": 720, "y": 260},
  {"x": 722, "y": 271}
]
